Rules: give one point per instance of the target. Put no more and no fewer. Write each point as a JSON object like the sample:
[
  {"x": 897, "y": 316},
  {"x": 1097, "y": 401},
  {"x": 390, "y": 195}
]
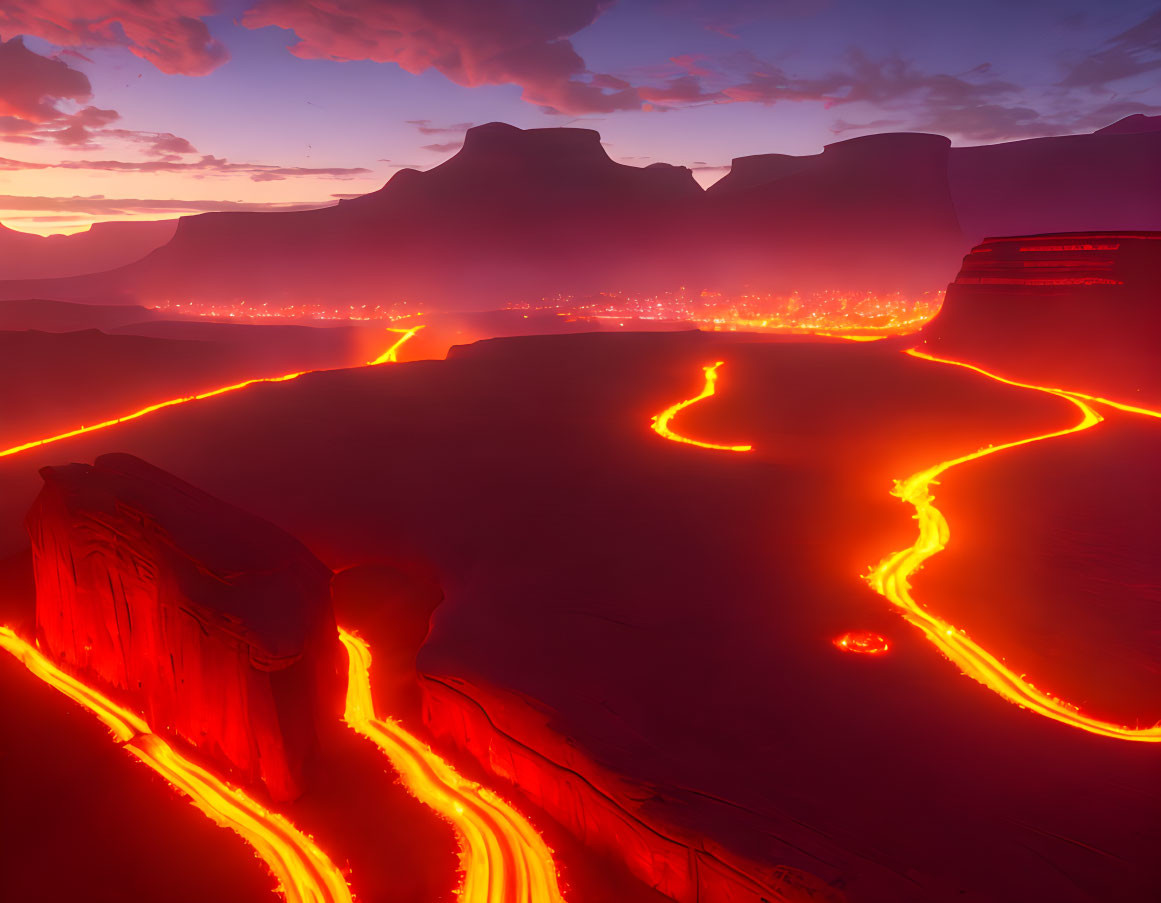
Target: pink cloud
[
  {"x": 207, "y": 165},
  {"x": 170, "y": 34},
  {"x": 472, "y": 42},
  {"x": 31, "y": 85}
]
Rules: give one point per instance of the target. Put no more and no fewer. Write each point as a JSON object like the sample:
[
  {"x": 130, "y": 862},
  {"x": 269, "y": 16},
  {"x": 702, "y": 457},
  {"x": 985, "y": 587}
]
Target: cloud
[
  {"x": 841, "y": 125},
  {"x": 99, "y": 205},
  {"x": 206, "y": 165},
  {"x": 1132, "y": 52},
  {"x": 31, "y": 85},
  {"x": 424, "y": 127},
  {"x": 170, "y": 34},
  {"x": 471, "y": 42},
  {"x": 443, "y": 148},
  {"x": 157, "y": 144}
]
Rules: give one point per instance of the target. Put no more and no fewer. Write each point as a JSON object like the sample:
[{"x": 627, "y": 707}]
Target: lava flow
[
  {"x": 661, "y": 421},
  {"x": 504, "y": 859},
  {"x": 303, "y": 871},
  {"x": 889, "y": 578},
  {"x": 389, "y": 356}
]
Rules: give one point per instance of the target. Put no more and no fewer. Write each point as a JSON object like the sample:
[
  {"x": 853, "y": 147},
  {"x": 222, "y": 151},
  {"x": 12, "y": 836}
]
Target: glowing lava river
[
  {"x": 661, "y": 421},
  {"x": 503, "y": 858},
  {"x": 303, "y": 871},
  {"x": 390, "y": 356},
  {"x": 890, "y": 577}
]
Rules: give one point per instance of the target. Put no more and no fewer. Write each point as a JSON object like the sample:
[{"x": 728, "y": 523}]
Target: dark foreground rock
[{"x": 214, "y": 623}]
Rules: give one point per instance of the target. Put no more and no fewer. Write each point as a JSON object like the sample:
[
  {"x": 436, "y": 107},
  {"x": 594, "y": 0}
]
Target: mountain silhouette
[
  {"x": 102, "y": 247},
  {"x": 521, "y": 214}
]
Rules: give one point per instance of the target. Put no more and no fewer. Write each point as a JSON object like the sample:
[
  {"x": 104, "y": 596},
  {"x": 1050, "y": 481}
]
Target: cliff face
[
  {"x": 213, "y": 623},
  {"x": 871, "y": 213},
  {"x": 1105, "y": 181},
  {"x": 1075, "y": 309},
  {"x": 516, "y": 213}
]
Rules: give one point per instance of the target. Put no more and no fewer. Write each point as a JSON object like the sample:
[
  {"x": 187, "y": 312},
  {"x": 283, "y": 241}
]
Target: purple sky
[{"x": 117, "y": 109}]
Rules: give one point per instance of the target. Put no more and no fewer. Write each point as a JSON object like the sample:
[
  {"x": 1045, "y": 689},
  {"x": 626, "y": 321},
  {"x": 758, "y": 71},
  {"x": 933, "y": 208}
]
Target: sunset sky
[{"x": 122, "y": 109}]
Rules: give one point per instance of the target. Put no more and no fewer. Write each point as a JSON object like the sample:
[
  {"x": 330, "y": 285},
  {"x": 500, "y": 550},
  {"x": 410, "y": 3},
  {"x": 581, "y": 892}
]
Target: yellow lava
[
  {"x": 851, "y": 338},
  {"x": 504, "y": 859},
  {"x": 389, "y": 356},
  {"x": 661, "y": 421},
  {"x": 890, "y": 578},
  {"x": 303, "y": 871}
]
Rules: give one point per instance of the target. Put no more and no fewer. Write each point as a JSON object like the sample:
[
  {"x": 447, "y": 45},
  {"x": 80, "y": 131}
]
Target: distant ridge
[{"x": 519, "y": 214}]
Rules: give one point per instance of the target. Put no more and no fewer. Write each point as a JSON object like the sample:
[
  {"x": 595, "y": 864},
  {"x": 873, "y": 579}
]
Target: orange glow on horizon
[
  {"x": 862, "y": 642},
  {"x": 890, "y": 577},
  {"x": 504, "y": 859},
  {"x": 304, "y": 872},
  {"x": 389, "y": 356},
  {"x": 661, "y": 421}
]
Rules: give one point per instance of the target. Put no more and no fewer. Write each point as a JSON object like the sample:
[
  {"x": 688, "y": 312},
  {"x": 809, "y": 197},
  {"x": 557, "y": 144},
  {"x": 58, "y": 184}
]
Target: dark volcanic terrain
[{"x": 658, "y": 617}]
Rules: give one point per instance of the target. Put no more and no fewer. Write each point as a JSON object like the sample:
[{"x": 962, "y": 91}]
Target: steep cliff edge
[
  {"x": 214, "y": 623},
  {"x": 1072, "y": 309}
]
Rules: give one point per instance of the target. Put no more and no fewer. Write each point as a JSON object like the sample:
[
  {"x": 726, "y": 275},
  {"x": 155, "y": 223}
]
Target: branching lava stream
[
  {"x": 891, "y": 577},
  {"x": 303, "y": 871},
  {"x": 504, "y": 859}
]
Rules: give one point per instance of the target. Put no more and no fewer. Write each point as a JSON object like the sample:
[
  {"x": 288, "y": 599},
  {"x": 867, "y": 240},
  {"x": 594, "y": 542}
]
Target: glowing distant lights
[{"x": 862, "y": 642}]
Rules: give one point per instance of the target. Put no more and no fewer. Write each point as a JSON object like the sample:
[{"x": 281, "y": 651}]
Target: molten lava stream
[
  {"x": 303, "y": 871},
  {"x": 503, "y": 857},
  {"x": 890, "y": 578},
  {"x": 661, "y": 421},
  {"x": 390, "y": 356}
]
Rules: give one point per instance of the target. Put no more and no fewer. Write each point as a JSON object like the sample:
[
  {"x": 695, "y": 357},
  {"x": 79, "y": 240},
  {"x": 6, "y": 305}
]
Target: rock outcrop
[
  {"x": 214, "y": 623},
  {"x": 1076, "y": 310}
]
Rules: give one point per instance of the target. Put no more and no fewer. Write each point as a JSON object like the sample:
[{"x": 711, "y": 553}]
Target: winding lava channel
[
  {"x": 504, "y": 859},
  {"x": 890, "y": 577},
  {"x": 661, "y": 421},
  {"x": 390, "y": 356}
]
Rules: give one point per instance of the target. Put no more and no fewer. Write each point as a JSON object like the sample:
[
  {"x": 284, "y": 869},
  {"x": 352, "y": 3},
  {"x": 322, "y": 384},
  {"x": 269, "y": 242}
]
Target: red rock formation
[
  {"x": 214, "y": 623},
  {"x": 1071, "y": 309}
]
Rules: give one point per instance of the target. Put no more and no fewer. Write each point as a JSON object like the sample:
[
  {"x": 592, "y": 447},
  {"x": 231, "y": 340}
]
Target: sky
[{"x": 148, "y": 109}]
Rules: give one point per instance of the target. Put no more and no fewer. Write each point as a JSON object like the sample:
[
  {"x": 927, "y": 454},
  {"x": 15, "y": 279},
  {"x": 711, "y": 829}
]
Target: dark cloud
[
  {"x": 472, "y": 42},
  {"x": 167, "y": 33},
  {"x": 1132, "y": 52}
]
